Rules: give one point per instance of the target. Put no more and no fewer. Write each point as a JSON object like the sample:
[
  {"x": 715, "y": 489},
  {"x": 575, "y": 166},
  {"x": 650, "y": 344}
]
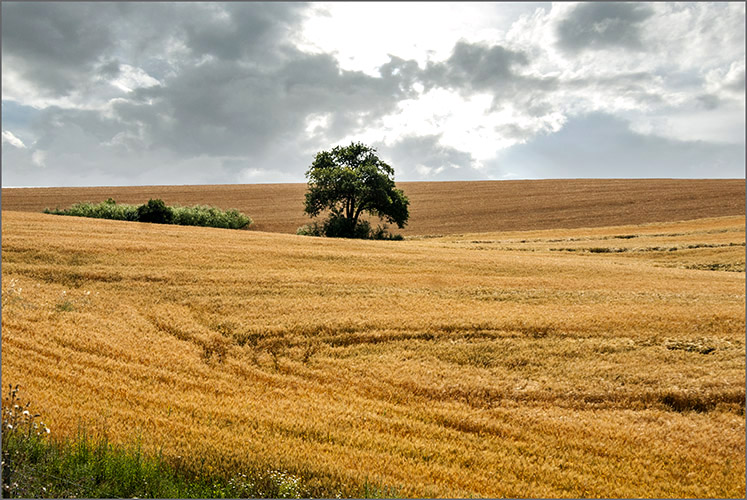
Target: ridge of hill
[{"x": 444, "y": 207}]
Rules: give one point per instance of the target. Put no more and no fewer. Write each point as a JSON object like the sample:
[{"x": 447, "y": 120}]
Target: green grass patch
[
  {"x": 85, "y": 467},
  {"x": 35, "y": 465}
]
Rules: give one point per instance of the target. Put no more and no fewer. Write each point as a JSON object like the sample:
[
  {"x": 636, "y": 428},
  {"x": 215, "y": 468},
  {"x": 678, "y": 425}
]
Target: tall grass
[
  {"x": 198, "y": 215},
  {"x": 35, "y": 466},
  {"x": 87, "y": 467}
]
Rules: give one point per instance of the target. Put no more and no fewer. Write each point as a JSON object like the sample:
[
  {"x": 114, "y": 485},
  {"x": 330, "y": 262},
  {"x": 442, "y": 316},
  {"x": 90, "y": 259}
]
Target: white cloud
[
  {"x": 720, "y": 126},
  {"x": 727, "y": 81},
  {"x": 131, "y": 78},
  {"x": 39, "y": 158},
  {"x": 11, "y": 139},
  {"x": 317, "y": 123},
  {"x": 468, "y": 124},
  {"x": 264, "y": 175},
  {"x": 429, "y": 172},
  {"x": 686, "y": 49},
  {"x": 362, "y": 34}
]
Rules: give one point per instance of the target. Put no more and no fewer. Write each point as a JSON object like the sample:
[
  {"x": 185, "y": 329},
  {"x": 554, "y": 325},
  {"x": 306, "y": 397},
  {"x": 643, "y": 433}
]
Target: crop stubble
[{"x": 490, "y": 364}]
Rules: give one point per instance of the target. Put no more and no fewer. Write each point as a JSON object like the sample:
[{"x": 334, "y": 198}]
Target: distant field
[
  {"x": 445, "y": 207},
  {"x": 597, "y": 362}
]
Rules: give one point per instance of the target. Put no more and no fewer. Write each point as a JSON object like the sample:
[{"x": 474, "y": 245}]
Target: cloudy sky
[{"x": 220, "y": 93}]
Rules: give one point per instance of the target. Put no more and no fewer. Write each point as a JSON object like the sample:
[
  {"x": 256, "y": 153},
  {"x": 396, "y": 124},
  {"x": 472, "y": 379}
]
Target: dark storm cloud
[
  {"x": 475, "y": 67},
  {"x": 237, "y": 30},
  {"x": 602, "y": 25},
  {"x": 316, "y": 83},
  {"x": 601, "y": 145},
  {"x": 61, "y": 46},
  {"x": 219, "y": 107},
  {"x": 55, "y": 45},
  {"x": 237, "y": 102},
  {"x": 404, "y": 72}
]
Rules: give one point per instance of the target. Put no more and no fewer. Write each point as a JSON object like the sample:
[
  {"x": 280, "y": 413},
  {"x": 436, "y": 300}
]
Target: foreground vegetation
[
  {"x": 492, "y": 364},
  {"x": 156, "y": 211},
  {"x": 35, "y": 466}
]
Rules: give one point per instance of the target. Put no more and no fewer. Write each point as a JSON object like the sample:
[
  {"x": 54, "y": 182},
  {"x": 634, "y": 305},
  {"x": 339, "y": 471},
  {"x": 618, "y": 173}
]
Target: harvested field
[
  {"x": 445, "y": 207},
  {"x": 544, "y": 363}
]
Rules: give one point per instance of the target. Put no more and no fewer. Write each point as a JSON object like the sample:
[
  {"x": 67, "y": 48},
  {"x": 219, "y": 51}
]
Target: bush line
[{"x": 156, "y": 211}]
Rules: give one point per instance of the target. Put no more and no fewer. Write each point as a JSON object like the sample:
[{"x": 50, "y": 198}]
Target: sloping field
[
  {"x": 445, "y": 207},
  {"x": 588, "y": 362}
]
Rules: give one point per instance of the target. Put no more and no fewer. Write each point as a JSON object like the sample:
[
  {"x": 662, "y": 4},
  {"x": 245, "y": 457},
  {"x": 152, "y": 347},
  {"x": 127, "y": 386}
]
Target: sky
[{"x": 127, "y": 93}]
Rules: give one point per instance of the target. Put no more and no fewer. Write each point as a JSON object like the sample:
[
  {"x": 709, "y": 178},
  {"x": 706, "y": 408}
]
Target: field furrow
[{"x": 476, "y": 364}]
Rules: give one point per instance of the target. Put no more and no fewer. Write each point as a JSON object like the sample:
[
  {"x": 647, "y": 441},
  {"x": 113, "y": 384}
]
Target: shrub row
[
  {"x": 341, "y": 227},
  {"x": 156, "y": 211}
]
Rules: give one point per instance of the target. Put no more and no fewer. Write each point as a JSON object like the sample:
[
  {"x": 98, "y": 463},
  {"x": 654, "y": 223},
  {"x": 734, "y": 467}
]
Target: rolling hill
[{"x": 439, "y": 208}]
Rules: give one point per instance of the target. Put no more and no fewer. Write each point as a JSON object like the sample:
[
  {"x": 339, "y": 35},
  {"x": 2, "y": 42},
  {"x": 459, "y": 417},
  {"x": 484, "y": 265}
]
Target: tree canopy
[{"x": 352, "y": 180}]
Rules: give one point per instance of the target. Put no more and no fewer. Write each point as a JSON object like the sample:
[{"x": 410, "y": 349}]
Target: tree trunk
[{"x": 357, "y": 213}]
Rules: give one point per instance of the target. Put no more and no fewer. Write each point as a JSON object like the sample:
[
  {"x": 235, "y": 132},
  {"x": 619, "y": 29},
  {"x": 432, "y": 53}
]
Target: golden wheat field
[
  {"x": 606, "y": 361},
  {"x": 444, "y": 207}
]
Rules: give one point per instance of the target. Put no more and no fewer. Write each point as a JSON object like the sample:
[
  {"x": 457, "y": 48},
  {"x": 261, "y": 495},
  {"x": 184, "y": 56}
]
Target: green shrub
[
  {"x": 203, "y": 215},
  {"x": 155, "y": 211},
  {"x": 337, "y": 226},
  {"x": 313, "y": 229},
  {"x": 105, "y": 210},
  {"x": 381, "y": 233}
]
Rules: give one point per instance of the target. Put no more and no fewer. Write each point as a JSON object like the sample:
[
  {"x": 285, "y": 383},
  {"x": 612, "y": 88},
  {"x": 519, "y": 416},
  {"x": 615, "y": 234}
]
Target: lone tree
[{"x": 349, "y": 181}]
